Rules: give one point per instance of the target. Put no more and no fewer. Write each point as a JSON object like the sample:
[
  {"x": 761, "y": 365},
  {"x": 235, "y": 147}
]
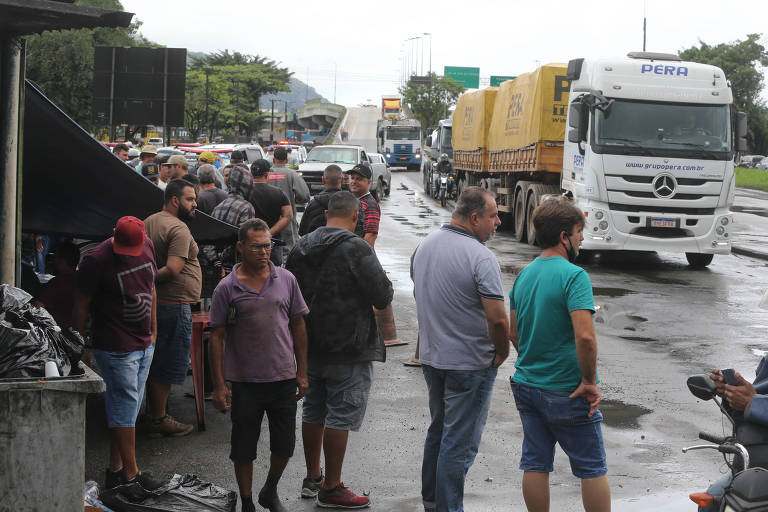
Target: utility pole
[
  {"x": 644, "y": 25},
  {"x": 285, "y": 119},
  {"x": 207, "y": 122},
  {"x": 272, "y": 127}
]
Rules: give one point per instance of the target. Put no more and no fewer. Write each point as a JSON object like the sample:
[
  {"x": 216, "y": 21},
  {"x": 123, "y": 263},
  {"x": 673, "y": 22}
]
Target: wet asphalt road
[{"x": 659, "y": 321}]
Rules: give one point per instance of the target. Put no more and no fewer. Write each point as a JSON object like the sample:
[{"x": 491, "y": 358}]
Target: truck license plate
[{"x": 657, "y": 222}]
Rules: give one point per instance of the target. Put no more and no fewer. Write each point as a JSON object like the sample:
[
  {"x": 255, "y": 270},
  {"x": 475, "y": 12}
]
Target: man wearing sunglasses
[{"x": 260, "y": 311}]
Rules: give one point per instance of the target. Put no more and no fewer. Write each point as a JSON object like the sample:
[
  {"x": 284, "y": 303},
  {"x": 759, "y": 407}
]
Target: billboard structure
[
  {"x": 139, "y": 86},
  {"x": 468, "y": 77}
]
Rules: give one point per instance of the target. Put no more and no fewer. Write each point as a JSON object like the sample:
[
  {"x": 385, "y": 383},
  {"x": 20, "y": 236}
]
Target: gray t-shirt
[
  {"x": 452, "y": 271},
  {"x": 295, "y": 188}
]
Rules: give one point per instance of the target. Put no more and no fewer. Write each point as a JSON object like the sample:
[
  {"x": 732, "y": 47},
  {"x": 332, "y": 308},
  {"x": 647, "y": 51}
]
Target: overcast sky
[{"x": 362, "y": 43}]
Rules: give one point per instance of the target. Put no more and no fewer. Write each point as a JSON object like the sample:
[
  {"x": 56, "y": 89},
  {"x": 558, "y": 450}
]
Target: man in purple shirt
[{"x": 260, "y": 311}]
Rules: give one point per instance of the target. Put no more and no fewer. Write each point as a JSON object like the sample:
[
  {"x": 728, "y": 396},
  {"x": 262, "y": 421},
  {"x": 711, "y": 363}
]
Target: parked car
[
  {"x": 761, "y": 164},
  {"x": 155, "y": 141},
  {"x": 750, "y": 161},
  {"x": 252, "y": 152},
  {"x": 345, "y": 156},
  {"x": 381, "y": 173}
]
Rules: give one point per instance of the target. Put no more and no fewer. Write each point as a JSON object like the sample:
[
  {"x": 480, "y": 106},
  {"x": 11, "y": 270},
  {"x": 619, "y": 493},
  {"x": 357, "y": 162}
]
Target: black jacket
[
  {"x": 341, "y": 280},
  {"x": 314, "y": 212}
]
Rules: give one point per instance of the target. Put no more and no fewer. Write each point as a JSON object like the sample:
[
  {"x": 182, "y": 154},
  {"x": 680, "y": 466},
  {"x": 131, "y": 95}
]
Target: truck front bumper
[{"x": 606, "y": 229}]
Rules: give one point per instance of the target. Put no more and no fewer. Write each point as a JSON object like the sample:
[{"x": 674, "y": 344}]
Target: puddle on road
[
  {"x": 754, "y": 210},
  {"x": 617, "y": 318},
  {"x": 618, "y": 414},
  {"x": 639, "y": 338},
  {"x": 611, "y": 292}
]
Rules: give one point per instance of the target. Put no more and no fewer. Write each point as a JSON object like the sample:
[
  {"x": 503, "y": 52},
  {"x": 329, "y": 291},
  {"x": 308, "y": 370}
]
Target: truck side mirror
[
  {"x": 741, "y": 131},
  {"x": 577, "y": 121},
  {"x": 429, "y": 140}
]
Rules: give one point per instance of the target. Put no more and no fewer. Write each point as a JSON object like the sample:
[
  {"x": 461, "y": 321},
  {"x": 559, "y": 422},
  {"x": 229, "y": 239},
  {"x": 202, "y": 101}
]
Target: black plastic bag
[
  {"x": 181, "y": 494},
  {"x": 29, "y": 338}
]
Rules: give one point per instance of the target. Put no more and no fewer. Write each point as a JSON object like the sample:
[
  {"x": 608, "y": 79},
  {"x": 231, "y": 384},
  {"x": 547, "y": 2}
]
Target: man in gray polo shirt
[{"x": 464, "y": 338}]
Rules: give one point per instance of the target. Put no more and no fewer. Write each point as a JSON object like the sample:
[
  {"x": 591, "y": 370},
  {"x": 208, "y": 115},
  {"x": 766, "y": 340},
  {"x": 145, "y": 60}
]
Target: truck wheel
[
  {"x": 519, "y": 221},
  {"x": 699, "y": 260},
  {"x": 530, "y": 228}
]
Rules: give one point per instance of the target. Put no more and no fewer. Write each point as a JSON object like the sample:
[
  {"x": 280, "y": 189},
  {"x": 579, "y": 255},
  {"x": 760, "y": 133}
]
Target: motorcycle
[
  {"x": 748, "y": 488},
  {"x": 444, "y": 186}
]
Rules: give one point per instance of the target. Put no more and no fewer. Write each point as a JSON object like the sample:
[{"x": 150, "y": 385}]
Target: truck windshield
[
  {"x": 445, "y": 140},
  {"x": 403, "y": 134},
  {"x": 333, "y": 155},
  {"x": 664, "y": 129}
]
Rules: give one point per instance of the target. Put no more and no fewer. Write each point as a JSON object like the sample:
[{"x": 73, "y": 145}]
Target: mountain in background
[{"x": 296, "y": 98}]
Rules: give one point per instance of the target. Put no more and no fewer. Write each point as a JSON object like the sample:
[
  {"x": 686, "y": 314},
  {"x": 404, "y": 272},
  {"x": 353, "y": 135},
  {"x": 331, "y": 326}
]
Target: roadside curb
[{"x": 752, "y": 253}]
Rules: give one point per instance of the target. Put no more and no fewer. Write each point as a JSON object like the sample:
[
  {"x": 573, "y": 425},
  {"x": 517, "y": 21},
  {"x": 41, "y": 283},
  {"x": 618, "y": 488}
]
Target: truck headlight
[
  {"x": 599, "y": 215},
  {"x": 720, "y": 230},
  {"x": 418, "y": 155},
  {"x": 724, "y": 221},
  {"x": 388, "y": 155},
  {"x": 603, "y": 225}
]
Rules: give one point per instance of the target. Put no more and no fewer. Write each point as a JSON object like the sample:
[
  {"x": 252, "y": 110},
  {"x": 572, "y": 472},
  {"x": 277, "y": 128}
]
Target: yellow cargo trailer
[
  {"x": 510, "y": 140},
  {"x": 528, "y": 124},
  {"x": 471, "y": 122}
]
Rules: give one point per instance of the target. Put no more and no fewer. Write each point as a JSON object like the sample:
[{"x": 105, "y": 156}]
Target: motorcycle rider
[
  {"x": 444, "y": 167},
  {"x": 749, "y": 398}
]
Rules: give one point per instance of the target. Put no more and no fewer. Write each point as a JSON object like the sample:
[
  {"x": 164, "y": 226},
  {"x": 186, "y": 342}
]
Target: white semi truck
[{"x": 645, "y": 147}]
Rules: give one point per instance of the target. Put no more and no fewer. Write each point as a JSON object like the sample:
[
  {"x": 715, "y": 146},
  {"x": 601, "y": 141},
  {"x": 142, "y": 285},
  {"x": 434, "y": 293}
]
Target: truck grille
[{"x": 404, "y": 148}]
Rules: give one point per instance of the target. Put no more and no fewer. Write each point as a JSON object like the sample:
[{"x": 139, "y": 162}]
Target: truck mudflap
[{"x": 607, "y": 229}]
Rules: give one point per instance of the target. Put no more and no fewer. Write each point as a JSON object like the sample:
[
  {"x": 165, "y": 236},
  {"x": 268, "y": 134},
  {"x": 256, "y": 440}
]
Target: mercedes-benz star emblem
[{"x": 664, "y": 186}]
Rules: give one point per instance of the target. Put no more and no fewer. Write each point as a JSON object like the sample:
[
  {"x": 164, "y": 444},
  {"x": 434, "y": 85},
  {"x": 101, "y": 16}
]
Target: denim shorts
[
  {"x": 337, "y": 394},
  {"x": 125, "y": 374},
  {"x": 174, "y": 336},
  {"x": 551, "y": 417}
]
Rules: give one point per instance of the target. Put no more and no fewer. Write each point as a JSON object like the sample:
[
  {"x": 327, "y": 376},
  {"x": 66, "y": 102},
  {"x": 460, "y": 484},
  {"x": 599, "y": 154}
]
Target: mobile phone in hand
[{"x": 729, "y": 374}]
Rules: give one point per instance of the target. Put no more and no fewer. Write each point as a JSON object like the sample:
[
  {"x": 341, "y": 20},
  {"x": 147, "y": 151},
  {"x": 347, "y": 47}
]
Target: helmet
[{"x": 444, "y": 157}]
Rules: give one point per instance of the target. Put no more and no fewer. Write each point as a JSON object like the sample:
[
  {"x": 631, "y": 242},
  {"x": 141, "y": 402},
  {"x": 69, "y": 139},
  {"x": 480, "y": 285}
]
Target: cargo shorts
[{"x": 338, "y": 394}]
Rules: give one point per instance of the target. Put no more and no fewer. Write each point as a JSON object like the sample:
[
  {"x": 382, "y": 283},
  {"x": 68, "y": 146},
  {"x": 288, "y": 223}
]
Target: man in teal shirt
[{"x": 555, "y": 385}]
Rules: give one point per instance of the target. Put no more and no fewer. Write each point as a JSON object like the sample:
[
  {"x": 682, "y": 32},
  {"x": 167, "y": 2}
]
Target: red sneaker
[{"x": 341, "y": 497}]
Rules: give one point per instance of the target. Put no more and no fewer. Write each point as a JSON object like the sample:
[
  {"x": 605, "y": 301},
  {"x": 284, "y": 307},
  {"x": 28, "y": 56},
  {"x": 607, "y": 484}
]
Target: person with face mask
[
  {"x": 179, "y": 281},
  {"x": 555, "y": 382}
]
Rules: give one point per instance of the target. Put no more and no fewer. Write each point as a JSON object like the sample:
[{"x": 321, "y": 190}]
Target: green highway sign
[
  {"x": 468, "y": 77},
  {"x": 497, "y": 80}
]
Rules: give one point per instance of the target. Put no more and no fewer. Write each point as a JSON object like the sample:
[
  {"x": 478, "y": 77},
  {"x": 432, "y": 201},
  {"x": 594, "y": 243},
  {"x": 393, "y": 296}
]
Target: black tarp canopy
[{"x": 73, "y": 186}]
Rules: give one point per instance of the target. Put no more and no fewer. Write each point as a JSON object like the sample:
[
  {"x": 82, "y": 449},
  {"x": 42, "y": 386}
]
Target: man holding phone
[{"x": 751, "y": 398}]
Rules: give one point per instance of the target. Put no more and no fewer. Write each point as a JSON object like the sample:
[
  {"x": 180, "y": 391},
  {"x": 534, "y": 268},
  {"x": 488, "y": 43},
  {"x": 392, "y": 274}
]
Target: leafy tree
[
  {"x": 61, "y": 62},
  {"x": 740, "y": 61},
  {"x": 431, "y": 102},
  {"x": 246, "y": 78}
]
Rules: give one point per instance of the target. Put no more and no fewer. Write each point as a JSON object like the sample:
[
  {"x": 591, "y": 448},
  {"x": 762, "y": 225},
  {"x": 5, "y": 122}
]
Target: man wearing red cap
[{"x": 116, "y": 283}]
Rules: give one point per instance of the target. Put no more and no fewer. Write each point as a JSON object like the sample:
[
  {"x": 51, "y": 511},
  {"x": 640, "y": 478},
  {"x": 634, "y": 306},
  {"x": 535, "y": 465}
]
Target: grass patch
[{"x": 752, "y": 178}]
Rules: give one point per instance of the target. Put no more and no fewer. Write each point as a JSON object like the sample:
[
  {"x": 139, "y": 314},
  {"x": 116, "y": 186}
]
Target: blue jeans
[
  {"x": 717, "y": 489},
  {"x": 125, "y": 374},
  {"x": 458, "y": 403},
  {"x": 174, "y": 336}
]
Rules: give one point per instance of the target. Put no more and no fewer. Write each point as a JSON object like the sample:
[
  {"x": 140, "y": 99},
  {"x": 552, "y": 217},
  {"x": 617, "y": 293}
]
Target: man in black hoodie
[
  {"x": 341, "y": 280},
  {"x": 314, "y": 212}
]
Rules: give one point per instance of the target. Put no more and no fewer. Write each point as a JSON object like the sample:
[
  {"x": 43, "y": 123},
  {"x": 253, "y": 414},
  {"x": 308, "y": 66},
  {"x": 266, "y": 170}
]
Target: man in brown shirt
[{"x": 179, "y": 281}]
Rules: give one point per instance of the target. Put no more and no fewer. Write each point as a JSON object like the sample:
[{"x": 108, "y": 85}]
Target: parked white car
[
  {"x": 381, "y": 174},
  {"x": 346, "y": 156}
]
